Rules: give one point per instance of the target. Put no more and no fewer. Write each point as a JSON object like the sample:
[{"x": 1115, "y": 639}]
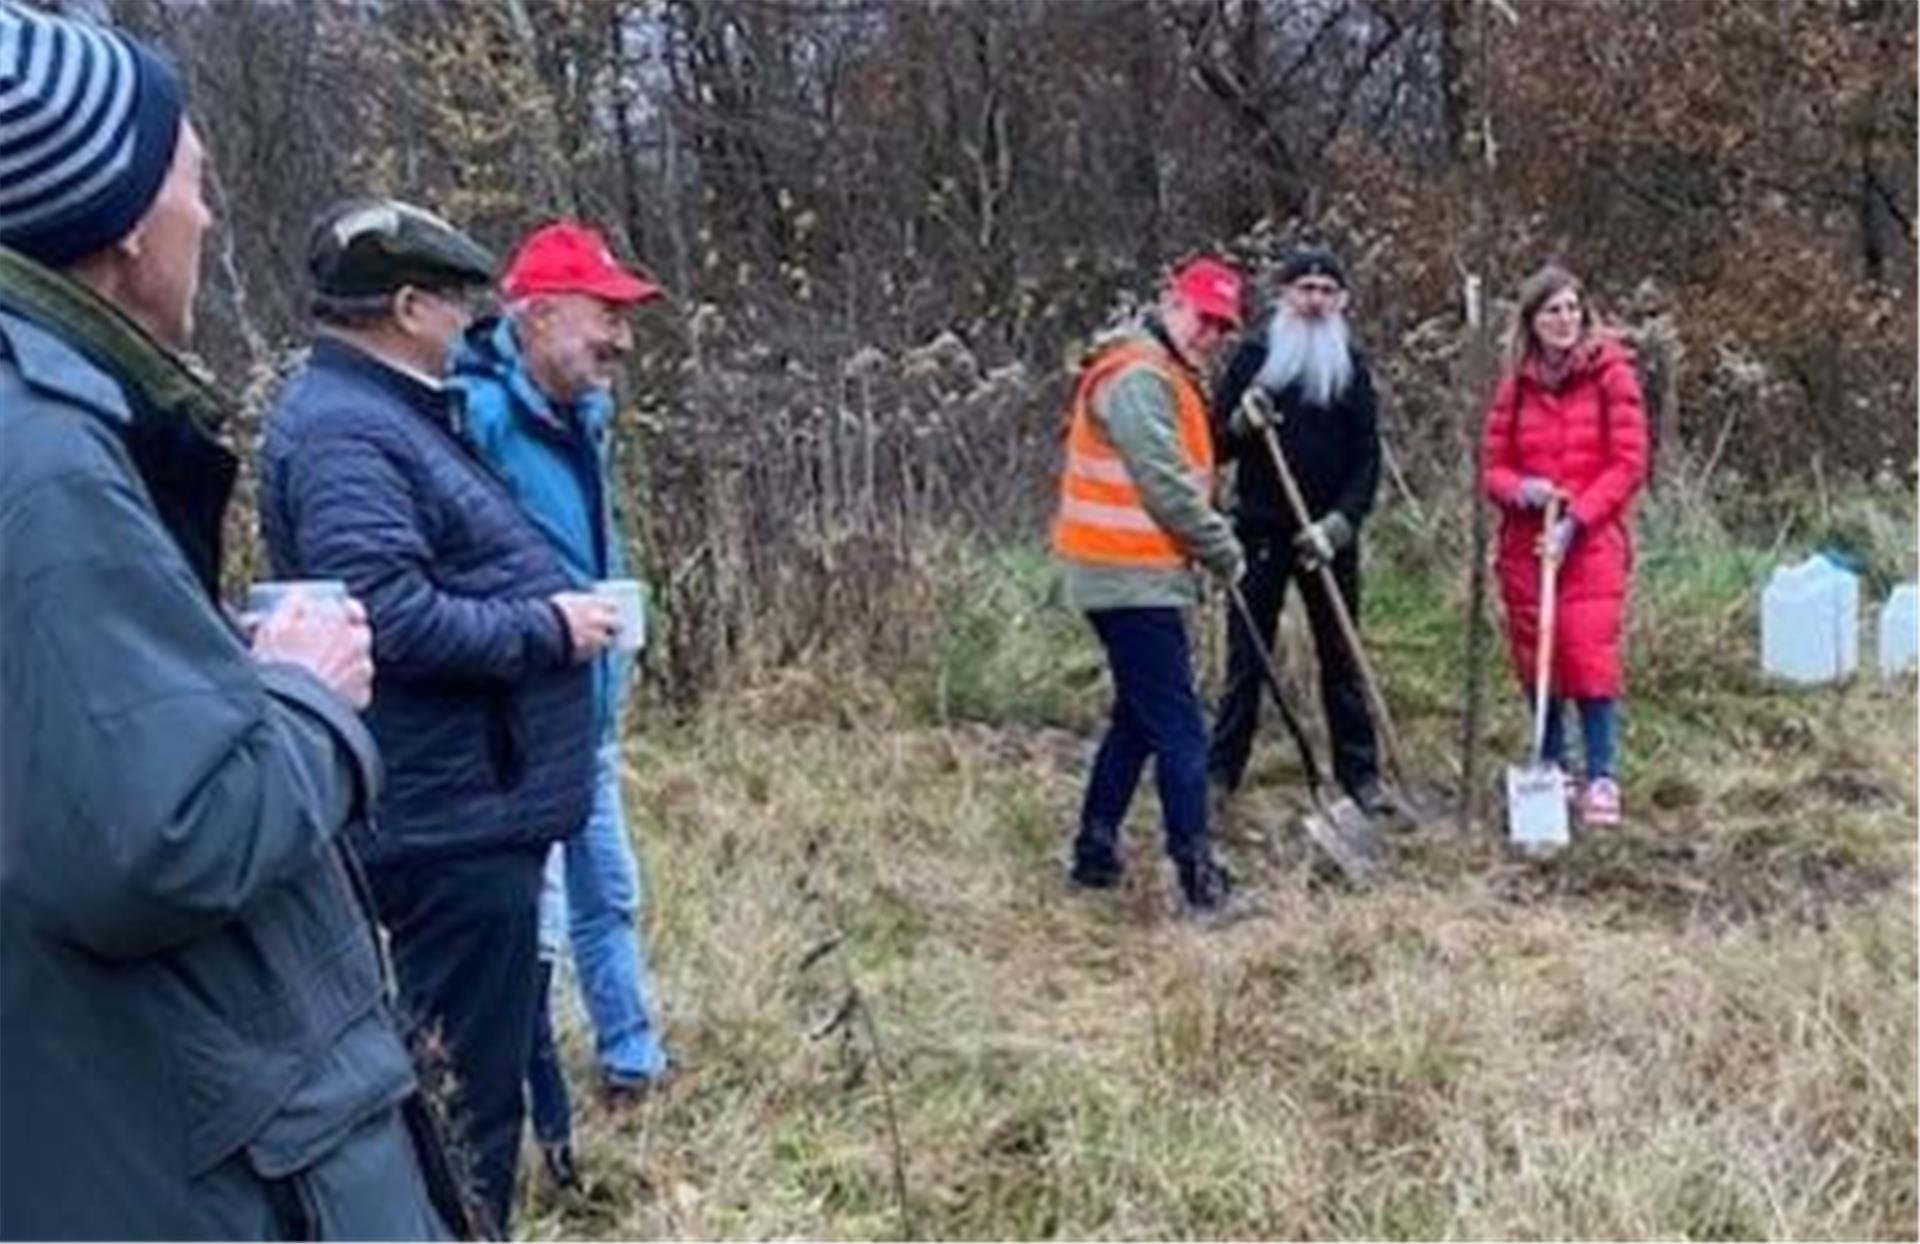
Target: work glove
[
  {"x": 1317, "y": 542},
  {"x": 1228, "y": 563},
  {"x": 1255, "y": 413},
  {"x": 1558, "y": 539},
  {"x": 1536, "y": 492}
]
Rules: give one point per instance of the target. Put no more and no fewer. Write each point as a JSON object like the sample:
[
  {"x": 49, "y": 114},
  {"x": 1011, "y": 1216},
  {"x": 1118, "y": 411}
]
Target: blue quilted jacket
[{"x": 485, "y": 722}]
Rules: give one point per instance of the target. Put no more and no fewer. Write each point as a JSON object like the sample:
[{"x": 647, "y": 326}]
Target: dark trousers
[
  {"x": 464, "y": 936},
  {"x": 546, "y": 1081},
  {"x": 1157, "y": 713},
  {"x": 1271, "y": 566}
]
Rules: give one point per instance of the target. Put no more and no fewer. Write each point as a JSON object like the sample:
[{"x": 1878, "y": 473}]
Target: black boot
[
  {"x": 558, "y": 1160},
  {"x": 1205, "y": 883},
  {"x": 1096, "y": 860},
  {"x": 1092, "y": 870}
]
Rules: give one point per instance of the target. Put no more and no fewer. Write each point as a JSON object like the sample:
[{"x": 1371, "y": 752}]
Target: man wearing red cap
[
  {"x": 1136, "y": 513},
  {"x": 536, "y": 385}
]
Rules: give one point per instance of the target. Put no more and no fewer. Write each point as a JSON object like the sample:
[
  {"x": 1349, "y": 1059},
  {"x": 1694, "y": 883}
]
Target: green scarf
[{"x": 155, "y": 377}]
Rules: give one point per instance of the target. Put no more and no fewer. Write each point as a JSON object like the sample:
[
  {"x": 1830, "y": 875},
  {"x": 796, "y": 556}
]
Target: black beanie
[{"x": 1312, "y": 261}]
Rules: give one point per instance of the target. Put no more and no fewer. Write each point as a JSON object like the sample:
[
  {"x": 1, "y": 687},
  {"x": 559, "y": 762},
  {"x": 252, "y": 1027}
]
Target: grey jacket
[
  {"x": 191, "y": 1007},
  {"x": 1137, "y": 408}
]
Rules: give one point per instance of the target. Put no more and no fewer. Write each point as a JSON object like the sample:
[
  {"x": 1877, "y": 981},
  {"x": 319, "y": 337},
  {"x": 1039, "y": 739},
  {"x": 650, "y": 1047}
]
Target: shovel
[
  {"x": 1343, "y": 619},
  {"x": 1339, "y": 828},
  {"x": 1536, "y": 793}
]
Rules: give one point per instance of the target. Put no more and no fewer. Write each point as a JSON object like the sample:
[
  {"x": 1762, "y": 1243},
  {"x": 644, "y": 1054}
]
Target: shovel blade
[
  {"x": 1536, "y": 809},
  {"x": 1345, "y": 835}
]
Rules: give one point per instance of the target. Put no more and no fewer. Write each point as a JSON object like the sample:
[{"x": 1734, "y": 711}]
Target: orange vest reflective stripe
[{"x": 1101, "y": 519}]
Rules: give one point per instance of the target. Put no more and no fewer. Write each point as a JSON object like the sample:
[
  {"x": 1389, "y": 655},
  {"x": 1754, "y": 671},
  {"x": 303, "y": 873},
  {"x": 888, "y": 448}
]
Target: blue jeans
[
  {"x": 1599, "y": 730},
  {"x": 1157, "y": 713},
  {"x": 603, "y": 898}
]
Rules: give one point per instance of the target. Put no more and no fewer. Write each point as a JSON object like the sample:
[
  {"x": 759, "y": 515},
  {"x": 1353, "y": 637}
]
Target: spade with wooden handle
[{"x": 1265, "y": 418}]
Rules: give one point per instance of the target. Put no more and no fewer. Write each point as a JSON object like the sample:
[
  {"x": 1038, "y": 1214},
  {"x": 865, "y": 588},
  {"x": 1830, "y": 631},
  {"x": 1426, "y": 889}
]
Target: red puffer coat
[{"x": 1588, "y": 437}]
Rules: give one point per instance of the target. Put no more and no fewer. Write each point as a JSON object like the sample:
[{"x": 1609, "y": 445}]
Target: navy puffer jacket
[{"x": 484, "y": 721}]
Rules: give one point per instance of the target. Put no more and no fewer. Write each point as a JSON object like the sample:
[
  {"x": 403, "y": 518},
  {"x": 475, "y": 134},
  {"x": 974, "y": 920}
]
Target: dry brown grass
[{"x": 1702, "y": 1027}]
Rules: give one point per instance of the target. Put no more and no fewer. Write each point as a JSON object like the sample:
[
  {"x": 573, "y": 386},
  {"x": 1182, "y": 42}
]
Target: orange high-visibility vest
[{"x": 1101, "y": 519}]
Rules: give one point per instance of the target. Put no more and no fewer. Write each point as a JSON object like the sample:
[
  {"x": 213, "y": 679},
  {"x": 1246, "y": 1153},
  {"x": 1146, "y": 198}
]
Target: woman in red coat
[{"x": 1567, "y": 423}]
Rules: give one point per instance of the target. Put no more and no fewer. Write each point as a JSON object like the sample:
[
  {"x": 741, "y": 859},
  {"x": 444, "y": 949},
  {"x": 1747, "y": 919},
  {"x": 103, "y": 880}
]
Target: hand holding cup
[
  {"x": 318, "y": 627},
  {"x": 592, "y": 622}
]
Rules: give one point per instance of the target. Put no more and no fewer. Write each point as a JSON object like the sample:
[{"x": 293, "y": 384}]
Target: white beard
[{"x": 1313, "y": 352}]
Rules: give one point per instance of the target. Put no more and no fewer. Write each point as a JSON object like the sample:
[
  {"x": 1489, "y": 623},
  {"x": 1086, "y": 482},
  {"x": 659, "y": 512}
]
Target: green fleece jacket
[{"x": 1138, "y": 411}]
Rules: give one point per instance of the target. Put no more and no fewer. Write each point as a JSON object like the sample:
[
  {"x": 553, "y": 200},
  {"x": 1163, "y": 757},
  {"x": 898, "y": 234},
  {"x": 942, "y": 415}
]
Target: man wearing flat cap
[
  {"x": 1315, "y": 393},
  {"x": 194, "y": 1037},
  {"x": 483, "y": 700}
]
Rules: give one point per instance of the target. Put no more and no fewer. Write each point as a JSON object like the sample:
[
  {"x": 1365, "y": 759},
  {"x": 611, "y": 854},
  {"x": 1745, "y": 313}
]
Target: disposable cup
[
  {"x": 628, "y": 596},
  {"x": 264, "y": 598}
]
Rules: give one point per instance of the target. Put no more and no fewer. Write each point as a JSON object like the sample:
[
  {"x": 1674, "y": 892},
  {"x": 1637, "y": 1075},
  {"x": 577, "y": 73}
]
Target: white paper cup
[
  {"x": 264, "y": 598},
  {"x": 628, "y": 596}
]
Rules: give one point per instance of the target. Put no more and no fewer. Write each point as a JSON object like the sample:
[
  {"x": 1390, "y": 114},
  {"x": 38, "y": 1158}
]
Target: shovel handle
[
  {"x": 1543, "y": 645},
  {"x": 1342, "y": 617},
  {"x": 1271, "y": 673}
]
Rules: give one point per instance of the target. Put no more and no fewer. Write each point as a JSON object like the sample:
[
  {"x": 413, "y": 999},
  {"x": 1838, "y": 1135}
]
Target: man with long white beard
[{"x": 1322, "y": 396}]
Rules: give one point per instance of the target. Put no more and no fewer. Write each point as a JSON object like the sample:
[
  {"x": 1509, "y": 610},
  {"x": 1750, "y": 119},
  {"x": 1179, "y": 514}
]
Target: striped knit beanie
[{"x": 88, "y": 123}]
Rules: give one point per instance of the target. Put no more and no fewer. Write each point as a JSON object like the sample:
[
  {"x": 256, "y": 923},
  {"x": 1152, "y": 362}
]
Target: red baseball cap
[
  {"x": 1211, "y": 287},
  {"x": 570, "y": 258}
]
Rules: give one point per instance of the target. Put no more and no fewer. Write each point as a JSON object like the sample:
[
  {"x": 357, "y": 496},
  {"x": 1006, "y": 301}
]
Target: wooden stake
[{"x": 1478, "y": 383}]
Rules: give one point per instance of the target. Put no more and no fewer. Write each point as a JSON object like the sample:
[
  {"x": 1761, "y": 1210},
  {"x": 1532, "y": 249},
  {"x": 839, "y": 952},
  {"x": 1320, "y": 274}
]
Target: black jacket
[
  {"x": 485, "y": 722},
  {"x": 1333, "y": 452}
]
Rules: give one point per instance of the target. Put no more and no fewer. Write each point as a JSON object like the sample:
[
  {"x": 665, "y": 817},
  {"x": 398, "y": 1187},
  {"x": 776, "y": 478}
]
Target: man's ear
[
  {"x": 133, "y": 244},
  {"x": 406, "y": 308},
  {"x": 402, "y": 307}
]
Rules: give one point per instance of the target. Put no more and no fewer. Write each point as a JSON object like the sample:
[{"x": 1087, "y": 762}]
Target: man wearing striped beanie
[
  {"x": 90, "y": 127},
  {"x": 194, "y": 1037}
]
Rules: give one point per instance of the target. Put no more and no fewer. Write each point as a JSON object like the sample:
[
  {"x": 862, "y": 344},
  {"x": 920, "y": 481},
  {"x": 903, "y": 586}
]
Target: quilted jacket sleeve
[
  {"x": 1499, "y": 461},
  {"x": 1625, "y": 418},
  {"x": 354, "y": 508}
]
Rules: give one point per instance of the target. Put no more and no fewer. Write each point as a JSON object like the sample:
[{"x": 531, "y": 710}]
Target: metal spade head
[
  {"x": 1342, "y": 833},
  {"x": 1536, "y": 808}
]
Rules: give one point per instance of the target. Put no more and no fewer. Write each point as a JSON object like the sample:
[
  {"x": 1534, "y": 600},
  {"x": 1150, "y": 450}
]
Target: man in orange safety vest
[{"x": 1135, "y": 516}]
